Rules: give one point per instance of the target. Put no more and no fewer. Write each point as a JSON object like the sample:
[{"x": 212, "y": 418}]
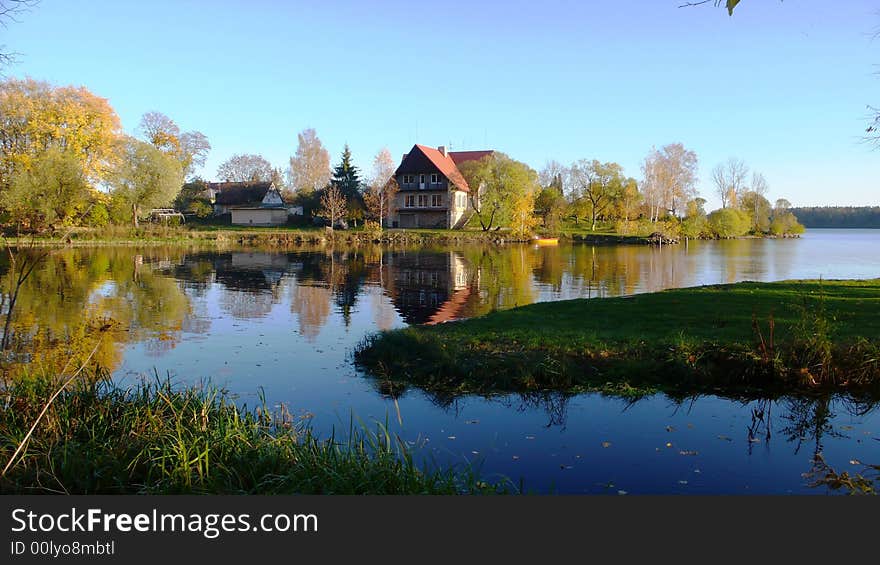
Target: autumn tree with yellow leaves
[{"x": 36, "y": 116}]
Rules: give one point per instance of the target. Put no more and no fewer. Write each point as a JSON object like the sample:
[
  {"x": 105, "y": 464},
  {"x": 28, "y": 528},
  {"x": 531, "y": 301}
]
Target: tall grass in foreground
[{"x": 154, "y": 438}]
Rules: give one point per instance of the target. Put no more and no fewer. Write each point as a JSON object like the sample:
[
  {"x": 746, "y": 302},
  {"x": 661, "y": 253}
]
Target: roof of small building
[{"x": 240, "y": 193}]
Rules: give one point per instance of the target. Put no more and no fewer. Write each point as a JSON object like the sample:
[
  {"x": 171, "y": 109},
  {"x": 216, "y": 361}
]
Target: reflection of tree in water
[
  {"x": 500, "y": 278},
  {"x": 311, "y": 304},
  {"x": 554, "y": 404},
  {"x": 348, "y": 271},
  {"x": 77, "y": 299}
]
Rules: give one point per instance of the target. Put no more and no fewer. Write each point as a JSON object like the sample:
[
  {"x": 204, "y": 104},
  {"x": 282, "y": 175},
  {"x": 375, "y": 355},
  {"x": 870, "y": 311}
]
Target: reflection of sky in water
[{"x": 288, "y": 327}]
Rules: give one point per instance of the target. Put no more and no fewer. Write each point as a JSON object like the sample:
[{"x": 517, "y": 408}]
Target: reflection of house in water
[
  {"x": 428, "y": 288},
  {"x": 251, "y": 271}
]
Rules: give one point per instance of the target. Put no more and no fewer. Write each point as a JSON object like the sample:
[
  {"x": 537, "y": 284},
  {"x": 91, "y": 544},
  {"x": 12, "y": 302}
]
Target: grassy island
[{"x": 746, "y": 338}]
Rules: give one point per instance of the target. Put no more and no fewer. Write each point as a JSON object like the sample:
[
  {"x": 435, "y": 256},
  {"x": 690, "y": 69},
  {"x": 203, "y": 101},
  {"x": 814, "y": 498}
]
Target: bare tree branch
[{"x": 9, "y": 12}]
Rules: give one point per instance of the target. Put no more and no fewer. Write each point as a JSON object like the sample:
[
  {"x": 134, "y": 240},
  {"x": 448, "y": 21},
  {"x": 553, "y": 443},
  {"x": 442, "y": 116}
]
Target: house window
[
  {"x": 435, "y": 178},
  {"x": 409, "y": 179},
  {"x": 436, "y": 200},
  {"x": 423, "y": 200},
  {"x": 410, "y": 201},
  {"x": 421, "y": 181}
]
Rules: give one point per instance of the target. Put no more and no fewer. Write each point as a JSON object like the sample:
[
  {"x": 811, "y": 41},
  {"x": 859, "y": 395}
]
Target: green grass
[
  {"x": 214, "y": 235},
  {"x": 706, "y": 339},
  {"x": 154, "y": 438}
]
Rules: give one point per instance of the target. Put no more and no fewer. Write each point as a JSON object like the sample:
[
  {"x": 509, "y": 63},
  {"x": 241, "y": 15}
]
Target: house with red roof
[{"x": 433, "y": 193}]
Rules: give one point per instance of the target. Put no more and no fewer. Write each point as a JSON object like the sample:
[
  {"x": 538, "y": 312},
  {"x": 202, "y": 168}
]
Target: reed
[{"x": 99, "y": 438}]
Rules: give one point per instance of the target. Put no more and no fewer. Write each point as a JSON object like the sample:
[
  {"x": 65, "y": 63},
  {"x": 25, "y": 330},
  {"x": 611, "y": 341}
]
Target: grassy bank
[
  {"x": 747, "y": 338},
  {"x": 285, "y": 236},
  {"x": 99, "y": 438}
]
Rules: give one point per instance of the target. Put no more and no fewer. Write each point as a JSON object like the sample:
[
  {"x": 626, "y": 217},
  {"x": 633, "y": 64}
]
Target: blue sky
[{"x": 782, "y": 85}]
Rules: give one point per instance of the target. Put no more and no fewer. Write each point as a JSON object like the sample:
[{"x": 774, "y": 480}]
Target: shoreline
[{"x": 274, "y": 237}]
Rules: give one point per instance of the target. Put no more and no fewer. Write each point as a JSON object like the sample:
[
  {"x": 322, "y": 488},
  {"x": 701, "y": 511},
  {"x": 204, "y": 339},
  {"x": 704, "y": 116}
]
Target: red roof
[
  {"x": 460, "y": 157},
  {"x": 448, "y": 164}
]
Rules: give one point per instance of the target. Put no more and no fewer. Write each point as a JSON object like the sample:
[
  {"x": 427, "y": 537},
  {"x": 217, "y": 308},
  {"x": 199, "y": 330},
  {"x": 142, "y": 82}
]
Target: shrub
[
  {"x": 786, "y": 224},
  {"x": 98, "y": 216},
  {"x": 728, "y": 222}
]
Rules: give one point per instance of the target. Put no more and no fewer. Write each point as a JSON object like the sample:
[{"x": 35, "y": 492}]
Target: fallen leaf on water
[
  {"x": 690, "y": 426},
  {"x": 451, "y": 437},
  {"x": 754, "y": 440},
  {"x": 725, "y": 438},
  {"x": 564, "y": 467},
  {"x": 668, "y": 444},
  {"x": 846, "y": 428},
  {"x": 530, "y": 437},
  {"x": 606, "y": 444},
  {"x": 475, "y": 452},
  {"x": 687, "y": 452},
  {"x": 682, "y": 482},
  {"x": 670, "y": 429},
  {"x": 855, "y": 462},
  {"x": 622, "y": 493},
  {"x": 472, "y": 422},
  {"x": 515, "y": 457}
]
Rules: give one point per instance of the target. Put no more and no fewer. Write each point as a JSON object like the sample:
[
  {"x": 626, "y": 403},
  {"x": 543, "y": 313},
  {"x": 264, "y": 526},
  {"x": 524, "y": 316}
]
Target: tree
[
  {"x": 629, "y": 200},
  {"x": 50, "y": 190},
  {"x": 553, "y": 174},
  {"x": 190, "y": 148},
  {"x": 194, "y": 149},
  {"x": 10, "y": 10},
  {"x": 730, "y": 181},
  {"x": 379, "y": 197},
  {"x": 651, "y": 188},
  {"x": 245, "y": 168},
  {"x": 523, "y": 220},
  {"x": 760, "y": 188},
  {"x": 277, "y": 179},
  {"x": 35, "y": 116},
  {"x": 310, "y": 165},
  {"x": 728, "y": 222},
  {"x": 695, "y": 223},
  {"x": 496, "y": 183},
  {"x": 346, "y": 175},
  {"x": 781, "y": 206},
  {"x": 333, "y": 204},
  {"x": 676, "y": 175},
  {"x": 785, "y": 224},
  {"x": 758, "y": 208},
  {"x": 145, "y": 177},
  {"x": 599, "y": 183},
  {"x": 551, "y": 206},
  {"x": 192, "y": 199}
]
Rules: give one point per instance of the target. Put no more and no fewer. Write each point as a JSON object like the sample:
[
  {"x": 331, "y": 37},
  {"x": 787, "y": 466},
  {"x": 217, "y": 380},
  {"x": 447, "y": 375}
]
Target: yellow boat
[{"x": 546, "y": 241}]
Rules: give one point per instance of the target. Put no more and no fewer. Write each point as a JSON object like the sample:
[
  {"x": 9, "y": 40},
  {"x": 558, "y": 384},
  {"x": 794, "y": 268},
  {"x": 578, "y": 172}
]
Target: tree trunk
[{"x": 134, "y": 214}]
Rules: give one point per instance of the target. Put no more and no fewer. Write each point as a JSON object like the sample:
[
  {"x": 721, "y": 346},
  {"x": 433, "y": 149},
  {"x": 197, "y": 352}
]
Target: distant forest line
[{"x": 838, "y": 216}]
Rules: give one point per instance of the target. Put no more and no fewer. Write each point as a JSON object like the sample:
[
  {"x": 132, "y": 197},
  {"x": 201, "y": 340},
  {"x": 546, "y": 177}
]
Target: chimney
[{"x": 442, "y": 149}]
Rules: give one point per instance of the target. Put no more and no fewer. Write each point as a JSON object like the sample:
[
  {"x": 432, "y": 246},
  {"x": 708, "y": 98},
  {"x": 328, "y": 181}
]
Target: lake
[{"x": 284, "y": 324}]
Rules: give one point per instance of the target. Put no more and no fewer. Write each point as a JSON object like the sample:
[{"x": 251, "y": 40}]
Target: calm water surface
[{"x": 286, "y": 323}]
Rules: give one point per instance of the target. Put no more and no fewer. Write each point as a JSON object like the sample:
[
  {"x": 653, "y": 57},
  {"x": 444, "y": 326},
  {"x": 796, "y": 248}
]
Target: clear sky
[{"x": 782, "y": 85}]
